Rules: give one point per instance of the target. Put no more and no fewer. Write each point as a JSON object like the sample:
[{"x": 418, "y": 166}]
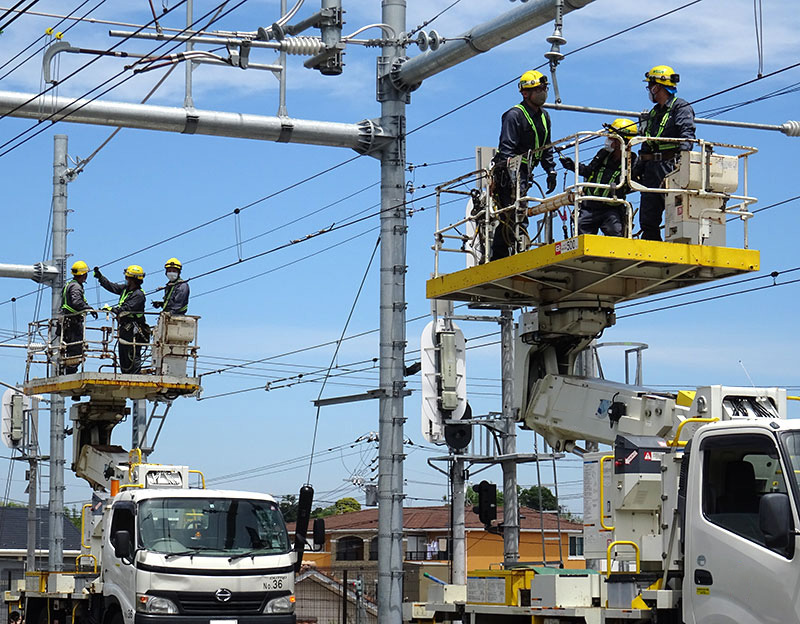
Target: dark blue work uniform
[
  {"x": 673, "y": 120},
  {"x": 595, "y": 215},
  {"x": 522, "y": 130}
]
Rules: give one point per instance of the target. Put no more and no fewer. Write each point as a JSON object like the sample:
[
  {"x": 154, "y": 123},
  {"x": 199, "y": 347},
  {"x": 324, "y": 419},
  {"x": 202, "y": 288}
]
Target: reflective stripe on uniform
[
  {"x": 64, "y": 304},
  {"x": 597, "y": 178},
  {"x": 125, "y": 294},
  {"x": 659, "y": 145},
  {"x": 169, "y": 296},
  {"x": 537, "y": 143}
]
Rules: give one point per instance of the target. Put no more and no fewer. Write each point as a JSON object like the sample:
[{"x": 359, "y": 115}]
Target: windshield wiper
[
  {"x": 194, "y": 550},
  {"x": 249, "y": 553}
]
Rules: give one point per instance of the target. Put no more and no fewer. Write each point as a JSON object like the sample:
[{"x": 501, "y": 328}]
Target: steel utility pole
[
  {"x": 55, "y": 542},
  {"x": 392, "y": 326},
  {"x": 510, "y": 498}
]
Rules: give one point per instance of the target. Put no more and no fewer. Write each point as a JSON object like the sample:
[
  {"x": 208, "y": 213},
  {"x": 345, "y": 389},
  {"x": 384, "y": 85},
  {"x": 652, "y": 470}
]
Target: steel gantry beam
[
  {"x": 479, "y": 39},
  {"x": 363, "y": 137}
]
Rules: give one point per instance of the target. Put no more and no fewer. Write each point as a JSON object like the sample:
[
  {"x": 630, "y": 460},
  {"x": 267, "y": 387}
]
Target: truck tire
[{"x": 115, "y": 617}]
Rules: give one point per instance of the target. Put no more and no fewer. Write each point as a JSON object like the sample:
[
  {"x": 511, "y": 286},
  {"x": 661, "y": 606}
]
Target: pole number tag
[{"x": 571, "y": 244}]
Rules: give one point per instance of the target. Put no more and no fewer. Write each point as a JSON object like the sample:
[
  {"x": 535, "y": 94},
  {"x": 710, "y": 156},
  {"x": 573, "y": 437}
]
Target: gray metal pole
[
  {"x": 55, "y": 542},
  {"x": 392, "y": 330},
  {"x": 33, "y": 459},
  {"x": 510, "y": 498},
  {"x": 37, "y": 272},
  {"x": 138, "y": 426},
  {"x": 789, "y": 128},
  {"x": 188, "y": 101},
  {"x": 458, "y": 481},
  {"x": 362, "y": 137},
  {"x": 482, "y": 38}
]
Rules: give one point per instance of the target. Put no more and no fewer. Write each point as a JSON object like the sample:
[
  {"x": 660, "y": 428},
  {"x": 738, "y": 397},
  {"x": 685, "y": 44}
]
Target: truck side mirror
[
  {"x": 319, "y": 534},
  {"x": 123, "y": 548},
  {"x": 775, "y": 520}
]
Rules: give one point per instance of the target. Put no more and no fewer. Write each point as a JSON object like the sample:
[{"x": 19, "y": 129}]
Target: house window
[
  {"x": 576, "y": 546},
  {"x": 373, "y": 549},
  {"x": 350, "y": 549}
]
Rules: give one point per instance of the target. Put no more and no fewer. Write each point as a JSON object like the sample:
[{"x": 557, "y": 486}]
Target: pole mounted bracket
[{"x": 43, "y": 273}]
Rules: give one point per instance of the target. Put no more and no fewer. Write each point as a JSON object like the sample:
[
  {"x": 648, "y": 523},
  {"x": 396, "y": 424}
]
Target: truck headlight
[
  {"x": 155, "y": 604},
  {"x": 283, "y": 604}
]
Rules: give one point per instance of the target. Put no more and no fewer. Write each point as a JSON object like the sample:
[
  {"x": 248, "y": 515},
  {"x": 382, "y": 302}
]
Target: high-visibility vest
[
  {"x": 537, "y": 141},
  {"x": 64, "y": 304},
  {"x": 125, "y": 294},
  {"x": 597, "y": 177},
  {"x": 169, "y": 296},
  {"x": 652, "y": 132}
]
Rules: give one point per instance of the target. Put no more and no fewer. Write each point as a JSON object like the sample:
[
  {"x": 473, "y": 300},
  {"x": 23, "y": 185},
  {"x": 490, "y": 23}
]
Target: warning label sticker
[{"x": 571, "y": 244}]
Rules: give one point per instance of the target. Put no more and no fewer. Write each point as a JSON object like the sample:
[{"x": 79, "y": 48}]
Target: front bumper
[{"x": 283, "y": 618}]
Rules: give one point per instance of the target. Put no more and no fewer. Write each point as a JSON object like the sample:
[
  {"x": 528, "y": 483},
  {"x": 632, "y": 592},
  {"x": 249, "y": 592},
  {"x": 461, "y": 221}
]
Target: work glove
[
  {"x": 551, "y": 181},
  {"x": 94, "y": 314},
  {"x": 97, "y": 273},
  {"x": 567, "y": 163},
  {"x": 107, "y": 308},
  {"x": 158, "y": 304}
]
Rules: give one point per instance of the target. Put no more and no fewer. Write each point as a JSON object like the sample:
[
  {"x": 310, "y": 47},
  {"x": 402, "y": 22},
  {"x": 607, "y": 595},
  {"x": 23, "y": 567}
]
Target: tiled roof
[
  {"x": 14, "y": 530},
  {"x": 430, "y": 518}
]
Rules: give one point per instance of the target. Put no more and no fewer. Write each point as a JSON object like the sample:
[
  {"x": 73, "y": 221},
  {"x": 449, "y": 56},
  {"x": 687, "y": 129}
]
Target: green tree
[
  {"x": 530, "y": 498},
  {"x": 341, "y": 506}
]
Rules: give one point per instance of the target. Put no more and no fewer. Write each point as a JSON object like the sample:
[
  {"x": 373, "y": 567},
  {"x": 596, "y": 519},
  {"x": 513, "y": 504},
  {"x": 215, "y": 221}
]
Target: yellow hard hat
[
  {"x": 136, "y": 271},
  {"x": 173, "y": 263},
  {"x": 531, "y": 79},
  {"x": 626, "y": 128},
  {"x": 80, "y": 268},
  {"x": 663, "y": 75}
]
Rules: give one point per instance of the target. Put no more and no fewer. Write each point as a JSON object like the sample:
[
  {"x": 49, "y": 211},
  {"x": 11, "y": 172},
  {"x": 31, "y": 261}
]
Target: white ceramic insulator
[
  {"x": 36, "y": 346},
  {"x": 305, "y": 46},
  {"x": 791, "y": 128}
]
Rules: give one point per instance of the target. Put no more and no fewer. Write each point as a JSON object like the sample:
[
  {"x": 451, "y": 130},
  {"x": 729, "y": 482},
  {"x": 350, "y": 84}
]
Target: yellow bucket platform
[
  {"x": 114, "y": 385},
  {"x": 610, "y": 268}
]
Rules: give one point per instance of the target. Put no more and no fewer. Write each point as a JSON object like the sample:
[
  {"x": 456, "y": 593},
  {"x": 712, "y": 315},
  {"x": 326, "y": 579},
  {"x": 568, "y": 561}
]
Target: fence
[{"x": 337, "y": 595}]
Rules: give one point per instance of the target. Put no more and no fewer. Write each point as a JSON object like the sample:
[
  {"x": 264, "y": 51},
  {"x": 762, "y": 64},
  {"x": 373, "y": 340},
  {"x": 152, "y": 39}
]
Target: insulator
[
  {"x": 35, "y": 347},
  {"x": 302, "y": 46},
  {"x": 791, "y": 128}
]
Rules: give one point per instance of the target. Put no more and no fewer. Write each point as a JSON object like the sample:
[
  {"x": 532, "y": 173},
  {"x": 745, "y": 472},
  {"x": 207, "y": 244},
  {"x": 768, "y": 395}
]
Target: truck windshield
[{"x": 212, "y": 526}]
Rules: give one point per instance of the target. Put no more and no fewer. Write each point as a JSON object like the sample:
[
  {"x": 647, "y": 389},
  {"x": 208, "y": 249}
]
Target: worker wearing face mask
[
  {"x": 671, "y": 117},
  {"x": 525, "y": 130},
  {"x": 176, "y": 292},
  {"x": 605, "y": 168}
]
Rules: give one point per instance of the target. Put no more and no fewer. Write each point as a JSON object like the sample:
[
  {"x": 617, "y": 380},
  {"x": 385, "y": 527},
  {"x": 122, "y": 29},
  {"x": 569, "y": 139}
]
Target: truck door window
[
  {"x": 737, "y": 471},
  {"x": 122, "y": 520}
]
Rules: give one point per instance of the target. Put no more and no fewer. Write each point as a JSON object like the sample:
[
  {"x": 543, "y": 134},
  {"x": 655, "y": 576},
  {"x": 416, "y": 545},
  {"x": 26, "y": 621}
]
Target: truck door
[
  {"x": 731, "y": 575},
  {"x": 118, "y": 576}
]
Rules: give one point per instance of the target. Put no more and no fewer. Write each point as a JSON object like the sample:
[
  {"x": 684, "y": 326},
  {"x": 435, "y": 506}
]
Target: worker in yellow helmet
[
  {"x": 605, "y": 168},
  {"x": 671, "y": 117},
  {"x": 133, "y": 330},
  {"x": 176, "y": 292},
  {"x": 525, "y": 129},
  {"x": 74, "y": 308}
]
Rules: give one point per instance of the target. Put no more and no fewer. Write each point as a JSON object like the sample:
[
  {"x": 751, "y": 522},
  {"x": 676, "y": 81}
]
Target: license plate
[
  {"x": 223, "y": 621},
  {"x": 275, "y": 583}
]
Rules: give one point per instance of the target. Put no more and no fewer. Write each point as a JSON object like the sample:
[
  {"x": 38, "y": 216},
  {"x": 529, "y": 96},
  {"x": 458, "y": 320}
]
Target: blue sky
[{"x": 145, "y": 186}]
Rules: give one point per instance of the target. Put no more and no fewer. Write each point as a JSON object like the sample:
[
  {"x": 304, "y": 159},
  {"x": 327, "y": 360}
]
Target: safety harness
[
  {"x": 597, "y": 178},
  {"x": 537, "y": 142},
  {"x": 64, "y": 304},
  {"x": 125, "y": 294},
  {"x": 169, "y": 296},
  {"x": 659, "y": 145}
]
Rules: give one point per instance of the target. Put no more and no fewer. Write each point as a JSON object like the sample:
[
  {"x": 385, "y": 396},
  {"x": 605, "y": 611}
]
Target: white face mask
[
  {"x": 172, "y": 275},
  {"x": 609, "y": 144}
]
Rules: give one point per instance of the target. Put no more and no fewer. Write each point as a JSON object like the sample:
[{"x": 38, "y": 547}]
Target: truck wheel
[{"x": 115, "y": 617}]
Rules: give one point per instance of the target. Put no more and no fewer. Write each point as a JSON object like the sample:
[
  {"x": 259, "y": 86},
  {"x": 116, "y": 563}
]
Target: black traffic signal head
[{"x": 487, "y": 502}]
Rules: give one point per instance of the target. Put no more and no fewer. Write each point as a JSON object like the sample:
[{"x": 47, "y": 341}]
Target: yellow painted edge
[
  {"x": 596, "y": 246},
  {"x": 685, "y": 398},
  {"x": 78, "y": 383}
]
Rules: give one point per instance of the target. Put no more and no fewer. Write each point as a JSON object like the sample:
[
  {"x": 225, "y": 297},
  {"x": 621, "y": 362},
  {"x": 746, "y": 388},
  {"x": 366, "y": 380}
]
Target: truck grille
[{"x": 240, "y": 603}]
